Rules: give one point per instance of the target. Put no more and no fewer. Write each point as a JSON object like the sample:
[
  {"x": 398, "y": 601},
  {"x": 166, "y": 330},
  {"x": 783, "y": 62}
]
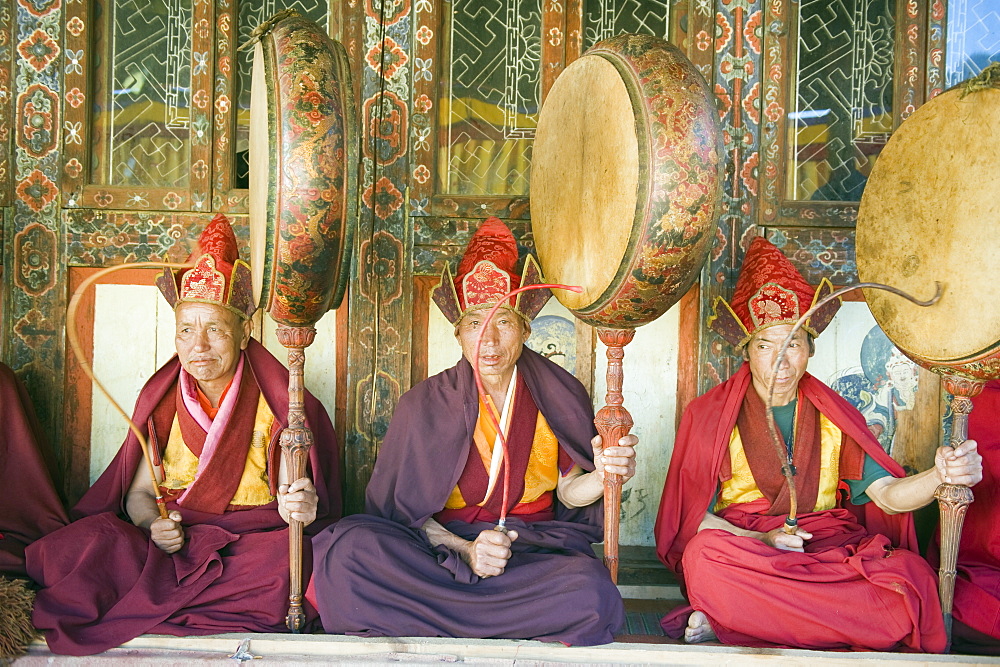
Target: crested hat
[
  {"x": 218, "y": 277},
  {"x": 486, "y": 273},
  {"x": 770, "y": 291}
]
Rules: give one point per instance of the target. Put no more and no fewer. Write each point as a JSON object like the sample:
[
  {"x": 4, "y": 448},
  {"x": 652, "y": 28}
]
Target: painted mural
[
  {"x": 554, "y": 337},
  {"x": 883, "y": 385}
]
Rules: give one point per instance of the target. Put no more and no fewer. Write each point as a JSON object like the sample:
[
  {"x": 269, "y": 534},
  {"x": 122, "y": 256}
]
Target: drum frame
[
  {"x": 296, "y": 285},
  {"x": 294, "y": 290},
  {"x": 668, "y": 242}
]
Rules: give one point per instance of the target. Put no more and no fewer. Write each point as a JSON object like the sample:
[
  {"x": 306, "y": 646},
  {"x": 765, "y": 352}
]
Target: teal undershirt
[{"x": 784, "y": 418}]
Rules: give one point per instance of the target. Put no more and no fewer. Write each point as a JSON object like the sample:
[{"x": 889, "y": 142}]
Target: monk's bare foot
[{"x": 698, "y": 629}]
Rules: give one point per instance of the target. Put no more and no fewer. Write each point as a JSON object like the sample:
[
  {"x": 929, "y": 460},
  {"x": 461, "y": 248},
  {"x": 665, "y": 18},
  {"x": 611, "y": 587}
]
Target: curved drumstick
[
  {"x": 787, "y": 468},
  {"x": 74, "y": 342},
  {"x": 494, "y": 420}
]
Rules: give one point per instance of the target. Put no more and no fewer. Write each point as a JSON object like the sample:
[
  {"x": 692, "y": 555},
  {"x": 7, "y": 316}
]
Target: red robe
[
  {"x": 29, "y": 504},
  {"x": 858, "y": 585},
  {"x": 977, "y": 586},
  {"x": 105, "y": 582}
]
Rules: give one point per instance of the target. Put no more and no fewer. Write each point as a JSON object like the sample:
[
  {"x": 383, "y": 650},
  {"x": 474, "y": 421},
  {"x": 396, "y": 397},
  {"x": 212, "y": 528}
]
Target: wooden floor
[{"x": 276, "y": 649}]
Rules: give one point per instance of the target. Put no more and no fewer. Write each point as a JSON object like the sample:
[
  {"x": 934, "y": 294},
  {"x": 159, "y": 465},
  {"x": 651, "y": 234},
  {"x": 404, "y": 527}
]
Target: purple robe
[
  {"x": 376, "y": 574},
  {"x": 105, "y": 582},
  {"x": 29, "y": 504}
]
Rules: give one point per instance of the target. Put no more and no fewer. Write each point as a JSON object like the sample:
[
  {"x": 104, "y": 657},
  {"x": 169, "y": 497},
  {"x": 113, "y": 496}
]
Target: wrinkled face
[
  {"x": 209, "y": 339},
  {"x": 761, "y": 352},
  {"x": 502, "y": 341}
]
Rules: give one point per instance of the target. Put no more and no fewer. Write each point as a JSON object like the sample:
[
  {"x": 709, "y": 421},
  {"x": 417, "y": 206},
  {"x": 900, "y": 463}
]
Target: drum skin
[
  {"x": 626, "y": 180},
  {"x": 930, "y": 213},
  {"x": 303, "y": 176}
]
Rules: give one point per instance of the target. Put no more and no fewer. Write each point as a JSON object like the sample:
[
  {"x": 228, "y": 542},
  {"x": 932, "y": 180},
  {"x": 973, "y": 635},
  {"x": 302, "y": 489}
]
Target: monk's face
[
  {"x": 503, "y": 339},
  {"x": 209, "y": 339},
  {"x": 761, "y": 352}
]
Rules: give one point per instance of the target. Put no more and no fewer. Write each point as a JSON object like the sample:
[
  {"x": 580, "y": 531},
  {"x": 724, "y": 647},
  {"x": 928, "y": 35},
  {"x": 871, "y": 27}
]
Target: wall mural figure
[
  {"x": 554, "y": 337},
  {"x": 883, "y": 385}
]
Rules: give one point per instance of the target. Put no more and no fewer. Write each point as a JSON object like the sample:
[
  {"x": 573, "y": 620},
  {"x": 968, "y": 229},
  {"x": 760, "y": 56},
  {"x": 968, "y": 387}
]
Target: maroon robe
[
  {"x": 377, "y": 574},
  {"x": 859, "y": 585},
  {"x": 29, "y": 505},
  {"x": 977, "y": 584},
  {"x": 106, "y": 582}
]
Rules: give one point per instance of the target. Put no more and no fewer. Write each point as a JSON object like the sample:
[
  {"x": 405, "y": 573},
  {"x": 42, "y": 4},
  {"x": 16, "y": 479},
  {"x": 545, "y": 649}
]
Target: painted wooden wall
[{"x": 67, "y": 212}]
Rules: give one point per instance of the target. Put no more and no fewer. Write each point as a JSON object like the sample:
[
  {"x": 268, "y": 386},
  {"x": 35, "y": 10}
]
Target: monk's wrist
[{"x": 464, "y": 551}]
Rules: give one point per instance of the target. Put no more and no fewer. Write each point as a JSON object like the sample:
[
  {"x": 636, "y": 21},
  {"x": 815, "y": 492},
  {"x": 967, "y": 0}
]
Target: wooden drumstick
[{"x": 954, "y": 499}]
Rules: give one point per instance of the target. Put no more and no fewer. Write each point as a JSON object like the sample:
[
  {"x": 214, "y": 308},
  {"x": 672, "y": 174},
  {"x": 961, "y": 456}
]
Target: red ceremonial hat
[
  {"x": 770, "y": 291},
  {"x": 486, "y": 273},
  {"x": 219, "y": 276}
]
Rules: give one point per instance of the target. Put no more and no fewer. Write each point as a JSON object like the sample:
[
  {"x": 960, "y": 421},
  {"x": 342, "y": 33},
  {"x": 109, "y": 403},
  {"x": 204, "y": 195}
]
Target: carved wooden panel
[
  {"x": 6, "y": 97},
  {"x": 138, "y": 105},
  {"x": 481, "y": 72},
  {"x": 157, "y": 102},
  {"x": 840, "y": 77}
]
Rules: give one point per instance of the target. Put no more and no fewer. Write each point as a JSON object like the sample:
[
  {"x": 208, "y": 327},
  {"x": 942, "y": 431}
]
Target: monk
[
  {"x": 29, "y": 509},
  {"x": 212, "y": 414},
  {"x": 720, "y": 525},
  {"x": 427, "y": 558},
  {"x": 976, "y": 609},
  {"x": 29, "y": 504}
]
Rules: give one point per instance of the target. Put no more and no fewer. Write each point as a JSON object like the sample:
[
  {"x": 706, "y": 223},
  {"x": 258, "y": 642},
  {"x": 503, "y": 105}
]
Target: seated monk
[
  {"x": 427, "y": 560},
  {"x": 29, "y": 504},
  {"x": 849, "y": 576},
  {"x": 29, "y": 509},
  {"x": 976, "y": 627},
  {"x": 213, "y": 415}
]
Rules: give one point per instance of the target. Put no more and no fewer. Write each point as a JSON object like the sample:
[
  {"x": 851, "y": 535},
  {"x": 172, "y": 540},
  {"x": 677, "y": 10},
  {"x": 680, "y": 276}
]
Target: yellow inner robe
[
  {"x": 180, "y": 465},
  {"x": 742, "y": 488},
  {"x": 542, "y": 473}
]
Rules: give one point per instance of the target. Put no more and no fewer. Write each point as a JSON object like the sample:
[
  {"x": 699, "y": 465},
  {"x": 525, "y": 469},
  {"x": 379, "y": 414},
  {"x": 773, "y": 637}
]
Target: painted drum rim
[
  {"x": 292, "y": 294},
  {"x": 983, "y": 365}
]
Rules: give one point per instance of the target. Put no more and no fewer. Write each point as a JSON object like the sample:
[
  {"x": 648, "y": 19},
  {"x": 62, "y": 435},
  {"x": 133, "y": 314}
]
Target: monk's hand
[
  {"x": 168, "y": 534},
  {"x": 618, "y": 460},
  {"x": 961, "y": 465},
  {"x": 779, "y": 539},
  {"x": 489, "y": 553},
  {"x": 298, "y": 501}
]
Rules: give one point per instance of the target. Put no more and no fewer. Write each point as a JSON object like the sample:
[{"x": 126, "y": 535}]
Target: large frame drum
[
  {"x": 923, "y": 222},
  {"x": 625, "y": 182},
  {"x": 930, "y": 215},
  {"x": 303, "y": 171},
  {"x": 303, "y": 187}
]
